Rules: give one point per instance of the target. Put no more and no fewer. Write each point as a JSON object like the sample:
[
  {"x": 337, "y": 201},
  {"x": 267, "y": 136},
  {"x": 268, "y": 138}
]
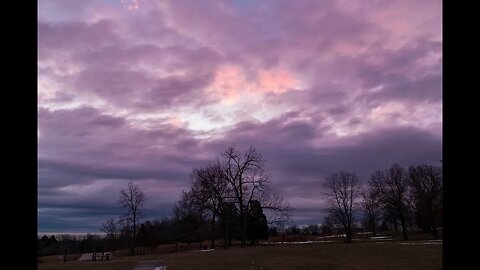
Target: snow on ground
[
  {"x": 204, "y": 250},
  {"x": 295, "y": 242},
  {"x": 380, "y": 237},
  {"x": 429, "y": 242}
]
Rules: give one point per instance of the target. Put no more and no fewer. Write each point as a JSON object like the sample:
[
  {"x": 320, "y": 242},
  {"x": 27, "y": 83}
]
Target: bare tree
[
  {"x": 210, "y": 191},
  {"x": 391, "y": 186},
  {"x": 131, "y": 201},
  {"x": 276, "y": 208},
  {"x": 111, "y": 230},
  {"x": 248, "y": 182},
  {"x": 343, "y": 191},
  {"x": 372, "y": 209},
  {"x": 427, "y": 188}
]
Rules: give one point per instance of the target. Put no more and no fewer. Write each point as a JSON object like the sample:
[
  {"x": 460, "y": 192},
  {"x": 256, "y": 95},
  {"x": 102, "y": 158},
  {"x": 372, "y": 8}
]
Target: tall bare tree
[
  {"x": 391, "y": 186},
  {"x": 343, "y": 192},
  {"x": 427, "y": 190},
  {"x": 249, "y": 182},
  {"x": 131, "y": 201}
]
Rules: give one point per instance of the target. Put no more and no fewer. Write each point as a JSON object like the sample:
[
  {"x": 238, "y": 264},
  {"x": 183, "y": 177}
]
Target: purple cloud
[{"x": 145, "y": 91}]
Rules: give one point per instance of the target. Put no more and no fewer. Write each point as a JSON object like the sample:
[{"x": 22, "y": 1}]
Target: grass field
[{"x": 366, "y": 255}]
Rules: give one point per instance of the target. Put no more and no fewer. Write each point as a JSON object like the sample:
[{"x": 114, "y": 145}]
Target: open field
[{"x": 358, "y": 256}]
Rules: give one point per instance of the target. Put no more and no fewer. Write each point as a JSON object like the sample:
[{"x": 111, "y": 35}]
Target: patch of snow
[
  {"x": 380, "y": 237},
  {"x": 433, "y": 242},
  {"x": 204, "y": 250},
  {"x": 295, "y": 242}
]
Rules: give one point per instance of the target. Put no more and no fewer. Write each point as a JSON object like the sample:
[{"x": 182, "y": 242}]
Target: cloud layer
[{"x": 144, "y": 91}]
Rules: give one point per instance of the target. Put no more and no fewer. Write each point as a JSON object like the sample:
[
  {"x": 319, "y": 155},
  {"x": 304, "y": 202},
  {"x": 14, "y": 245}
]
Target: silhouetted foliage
[
  {"x": 189, "y": 219},
  {"x": 327, "y": 227},
  {"x": 313, "y": 229},
  {"x": 293, "y": 230},
  {"x": 273, "y": 231},
  {"x": 47, "y": 246},
  {"x": 257, "y": 227}
]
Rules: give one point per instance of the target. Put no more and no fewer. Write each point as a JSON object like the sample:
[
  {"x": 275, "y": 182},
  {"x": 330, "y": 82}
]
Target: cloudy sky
[{"x": 144, "y": 91}]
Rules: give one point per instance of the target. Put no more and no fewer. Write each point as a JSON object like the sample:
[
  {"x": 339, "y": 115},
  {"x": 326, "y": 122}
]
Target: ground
[{"x": 356, "y": 256}]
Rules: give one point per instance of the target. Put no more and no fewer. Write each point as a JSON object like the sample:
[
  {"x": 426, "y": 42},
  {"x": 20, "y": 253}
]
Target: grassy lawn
[{"x": 308, "y": 256}]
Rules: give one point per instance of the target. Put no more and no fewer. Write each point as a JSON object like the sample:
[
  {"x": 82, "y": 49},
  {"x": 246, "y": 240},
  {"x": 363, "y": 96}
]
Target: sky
[{"x": 144, "y": 91}]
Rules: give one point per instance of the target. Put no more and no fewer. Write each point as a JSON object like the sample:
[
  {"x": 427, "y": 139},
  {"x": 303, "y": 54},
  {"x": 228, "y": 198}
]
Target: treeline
[
  {"x": 396, "y": 198},
  {"x": 72, "y": 243},
  {"x": 230, "y": 198}
]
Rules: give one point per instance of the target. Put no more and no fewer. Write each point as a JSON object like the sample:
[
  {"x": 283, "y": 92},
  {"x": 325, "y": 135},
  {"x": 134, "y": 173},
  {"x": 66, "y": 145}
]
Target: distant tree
[
  {"x": 293, "y": 230},
  {"x": 52, "y": 240},
  {"x": 272, "y": 231},
  {"x": 391, "y": 186},
  {"x": 372, "y": 209},
  {"x": 327, "y": 227},
  {"x": 152, "y": 237},
  {"x": 43, "y": 241},
  {"x": 426, "y": 183},
  {"x": 70, "y": 242},
  {"x": 131, "y": 201},
  {"x": 314, "y": 229},
  {"x": 91, "y": 243},
  {"x": 343, "y": 189},
  {"x": 142, "y": 235},
  {"x": 112, "y": 231}
]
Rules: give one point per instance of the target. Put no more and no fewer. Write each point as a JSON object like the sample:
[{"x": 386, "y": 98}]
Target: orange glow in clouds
[
  {"x": 276, "y": 82},
  {"x": 231, "y": 82}
]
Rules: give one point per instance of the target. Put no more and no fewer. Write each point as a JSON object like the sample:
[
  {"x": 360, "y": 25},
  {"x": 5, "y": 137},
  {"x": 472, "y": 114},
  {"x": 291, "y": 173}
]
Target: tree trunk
[
  {"x": 434, "y": 227},
  {"x": 244, "y": 233},
  {"x": 348, "y": 234},
  {"x": 225, "y": 245},
  {"x": 404, "y": 227},
  {"x": 212, "y": 244},
  {"x": 132, "y": 248},
  {"x": 374, "y": 229}
]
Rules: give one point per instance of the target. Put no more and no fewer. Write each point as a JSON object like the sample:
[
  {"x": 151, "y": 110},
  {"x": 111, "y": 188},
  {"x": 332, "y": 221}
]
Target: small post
[
  {"x": 102, "y": 255},
  {"x": 65, "y": 256}
]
